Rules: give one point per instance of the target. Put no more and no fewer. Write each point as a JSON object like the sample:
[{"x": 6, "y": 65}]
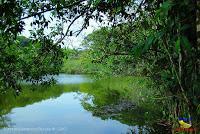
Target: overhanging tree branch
[
  {"x": 51, "y": 9},
  {"x": 68, "y": 29}
]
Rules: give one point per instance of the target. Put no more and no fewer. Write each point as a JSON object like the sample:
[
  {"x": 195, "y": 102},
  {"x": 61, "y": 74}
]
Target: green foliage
[
  {"x": 73, "y": 66},
  {"x": 139, "y": 90},
  {"x": 79, "y": 62},
  {"x": 73, "y": 62},
  {"x": 158, "y": 35},
  {"x": 105, "y": 48},
  {"x": 108, "y": 92},
  {"x": 28, "y": 60},
  {"x": 162, "y": 40}
]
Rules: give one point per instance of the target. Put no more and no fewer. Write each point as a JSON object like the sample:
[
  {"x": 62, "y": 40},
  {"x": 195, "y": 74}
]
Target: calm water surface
[{"x": 60, "y": 110}]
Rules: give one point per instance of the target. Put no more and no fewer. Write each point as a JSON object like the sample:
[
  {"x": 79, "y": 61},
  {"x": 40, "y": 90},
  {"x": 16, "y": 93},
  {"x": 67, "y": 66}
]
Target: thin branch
[
  {"x": 51, "y": 9},
  {"x": 68, "y": 29},
  {"x": 79, "y": 31},
  {"x": 35, "y": 14}
]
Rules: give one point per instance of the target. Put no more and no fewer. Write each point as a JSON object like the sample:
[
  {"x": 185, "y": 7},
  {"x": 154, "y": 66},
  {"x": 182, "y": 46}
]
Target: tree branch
[
  {"x": 51, "y": 9},
  {"x": 68, "y": 29}
]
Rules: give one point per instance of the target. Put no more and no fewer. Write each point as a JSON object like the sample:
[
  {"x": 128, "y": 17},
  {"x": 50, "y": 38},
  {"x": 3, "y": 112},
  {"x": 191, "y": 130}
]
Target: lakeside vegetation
[
  {"x": 138, "y": 70},
  {"x": 150, "y": 46}
]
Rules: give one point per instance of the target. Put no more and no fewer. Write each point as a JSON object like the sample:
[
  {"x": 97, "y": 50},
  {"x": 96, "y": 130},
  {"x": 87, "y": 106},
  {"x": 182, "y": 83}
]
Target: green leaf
[
  {"x": 166, "y": 5},
  {"x": 138, "y": 50},
  {"x": 186, "y": 43},
  {"x": 148, "y": 43},
  {"x": 184, "y": 27},
  {"x": 177, "y": 45},
  {"x": 160, "y": 34},
  {"x": 96, "y": 2}
]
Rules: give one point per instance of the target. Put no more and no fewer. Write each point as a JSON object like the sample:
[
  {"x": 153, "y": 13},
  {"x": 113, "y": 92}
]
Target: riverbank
[{"x": 136, "y": 89}]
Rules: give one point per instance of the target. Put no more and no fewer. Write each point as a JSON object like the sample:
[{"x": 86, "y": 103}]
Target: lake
[{"x": 69, "y": 107}]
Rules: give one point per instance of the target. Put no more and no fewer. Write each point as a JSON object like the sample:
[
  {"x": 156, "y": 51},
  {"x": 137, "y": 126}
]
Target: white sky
[{"x": 72, "y": 41}]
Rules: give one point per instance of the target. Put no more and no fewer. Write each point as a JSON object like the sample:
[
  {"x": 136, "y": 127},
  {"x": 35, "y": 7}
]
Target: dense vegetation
[
  {"x": 154, "y": 38},
  {"x": 28, "y": 60}
]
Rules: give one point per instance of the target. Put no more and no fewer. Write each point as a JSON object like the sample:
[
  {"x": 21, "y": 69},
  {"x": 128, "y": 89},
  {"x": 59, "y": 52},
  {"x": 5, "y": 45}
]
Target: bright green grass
[{"x": 73, "y": 66}]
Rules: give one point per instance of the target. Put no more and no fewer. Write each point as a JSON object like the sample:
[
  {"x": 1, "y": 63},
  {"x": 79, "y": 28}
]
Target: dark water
[{"x": 65, "y": 108}]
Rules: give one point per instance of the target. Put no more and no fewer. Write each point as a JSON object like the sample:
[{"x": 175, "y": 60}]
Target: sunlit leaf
[{"x": 177, "y": 45}]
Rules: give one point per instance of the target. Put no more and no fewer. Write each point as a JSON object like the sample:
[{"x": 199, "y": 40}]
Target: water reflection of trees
[
  {"x": 139, "y": 119},
  {"x": 5, "y": 121},
  {"x": 32, "y": 94},
  {"x": 131, "y": 118},
  {"x": 93, "y": 101},
  {"x": 29, "y": 96}
]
